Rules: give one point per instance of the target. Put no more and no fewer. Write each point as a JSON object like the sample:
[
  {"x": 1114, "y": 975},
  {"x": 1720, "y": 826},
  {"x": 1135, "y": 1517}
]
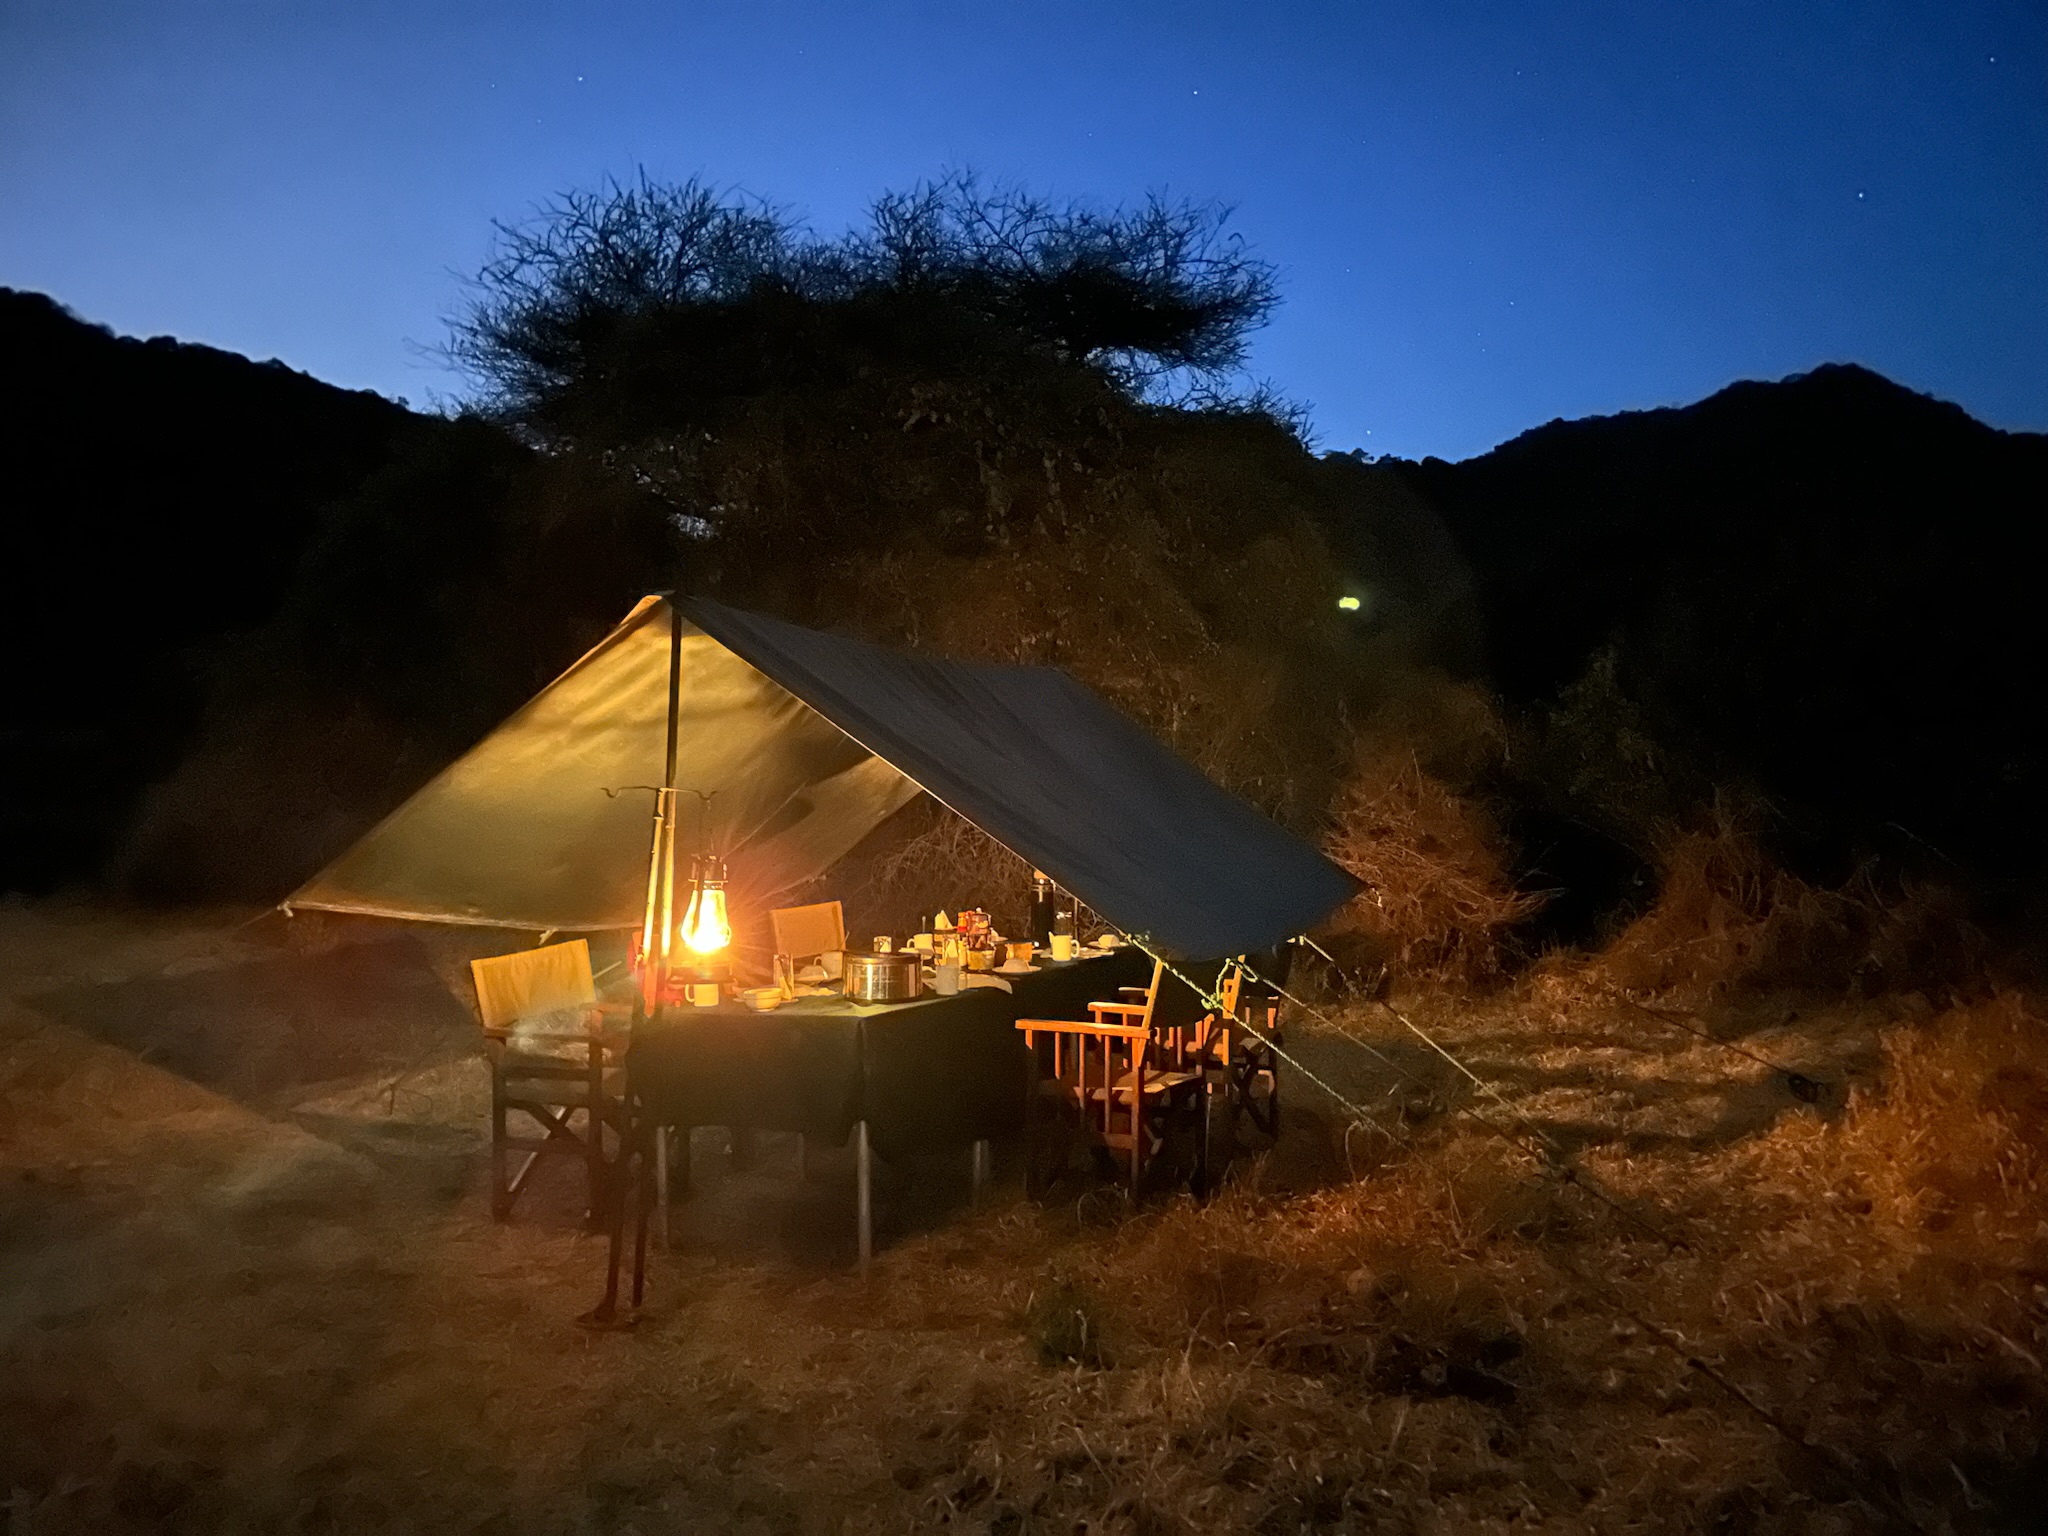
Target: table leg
[
  {"x": 864, "y": 1180},
  {"x": 643, "y": 1191},
  {"x": 980, "y": 1171}
]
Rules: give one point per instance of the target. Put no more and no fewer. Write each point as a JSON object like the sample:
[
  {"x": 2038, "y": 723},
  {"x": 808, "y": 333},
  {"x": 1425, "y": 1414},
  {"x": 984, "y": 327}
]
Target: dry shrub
[
  {"x": 1438, "y": 899},
  {"x": 1956, "y": 1144},
  {"x": 1882, "y": 1275},
  {"x": 924, "y": 860},
  {"x": 1727, "y": 918}
]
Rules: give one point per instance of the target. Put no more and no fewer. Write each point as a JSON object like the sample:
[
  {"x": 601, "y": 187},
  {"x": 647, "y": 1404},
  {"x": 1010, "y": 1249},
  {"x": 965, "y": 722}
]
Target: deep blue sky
[{"x": 1486, "y": 216}]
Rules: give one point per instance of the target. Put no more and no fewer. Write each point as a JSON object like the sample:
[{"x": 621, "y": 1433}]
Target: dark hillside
[
  {"x": 159, "y": 496},
  {"x": 1826, "y": 586}
]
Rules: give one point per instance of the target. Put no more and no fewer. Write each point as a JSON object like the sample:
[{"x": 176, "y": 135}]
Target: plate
[{"x": 1007, "y": 969}]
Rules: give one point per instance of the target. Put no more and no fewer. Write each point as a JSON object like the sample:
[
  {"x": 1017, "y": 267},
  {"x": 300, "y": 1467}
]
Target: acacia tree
[
  {"x": 1158, "y": 299},
  {"x": 968, "y": 361}
]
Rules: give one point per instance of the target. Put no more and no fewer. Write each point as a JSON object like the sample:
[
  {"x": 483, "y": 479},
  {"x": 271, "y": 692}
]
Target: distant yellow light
[{"x": 1348, "y": 604}]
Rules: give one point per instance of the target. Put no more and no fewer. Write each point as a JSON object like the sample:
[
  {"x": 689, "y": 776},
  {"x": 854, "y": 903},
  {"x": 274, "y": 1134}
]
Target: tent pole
[
  {"x": 675, "y": 690},
  {"x": 661, "y": 874},
  {"x": 656, "y": 936}
]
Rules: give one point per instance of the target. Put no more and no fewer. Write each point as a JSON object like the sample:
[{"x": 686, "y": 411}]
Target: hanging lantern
[{"x": 707, "y": 929}]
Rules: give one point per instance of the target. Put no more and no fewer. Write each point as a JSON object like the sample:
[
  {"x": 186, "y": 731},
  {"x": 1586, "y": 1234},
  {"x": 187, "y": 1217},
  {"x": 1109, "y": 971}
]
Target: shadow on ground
[{"x": 265, "y": 1030}]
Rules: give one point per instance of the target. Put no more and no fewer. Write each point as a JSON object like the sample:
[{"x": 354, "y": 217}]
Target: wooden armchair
[
  {"x": 552, "y": 1058},
  {"x": 1118, "y": 1079},
  {"x": 1240, "y": 1056}
]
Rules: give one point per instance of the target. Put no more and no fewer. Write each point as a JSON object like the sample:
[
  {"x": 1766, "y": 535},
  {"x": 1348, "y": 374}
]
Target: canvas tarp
[
  {"x": 809, "y": 741},
  {"x": 547, "y": 822}
]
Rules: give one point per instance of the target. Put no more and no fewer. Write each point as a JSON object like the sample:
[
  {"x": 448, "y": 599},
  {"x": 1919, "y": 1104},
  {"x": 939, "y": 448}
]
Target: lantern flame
[{"x": 706, "y": 927}]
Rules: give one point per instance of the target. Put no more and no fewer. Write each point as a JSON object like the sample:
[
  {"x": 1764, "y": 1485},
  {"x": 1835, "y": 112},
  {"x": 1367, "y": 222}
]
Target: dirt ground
[{"x": 248, "y": 1281}]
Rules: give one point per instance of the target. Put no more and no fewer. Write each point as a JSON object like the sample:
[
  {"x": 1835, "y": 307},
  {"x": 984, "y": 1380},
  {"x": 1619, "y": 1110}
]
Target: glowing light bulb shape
[{"x": 706, "y": 927}]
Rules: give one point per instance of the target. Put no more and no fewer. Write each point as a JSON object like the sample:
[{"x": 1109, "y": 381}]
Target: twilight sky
[{"x": 1485, "y": 216}]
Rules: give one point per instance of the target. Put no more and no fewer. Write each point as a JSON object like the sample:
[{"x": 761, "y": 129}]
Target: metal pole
[
  {"x": 980, "y": 1165},
  {"x": 675, "y": 689},
  {"x": 661, "y": 1185},
  {"x": 668, "y": 798},
  {"x": 654, "y": 992}
]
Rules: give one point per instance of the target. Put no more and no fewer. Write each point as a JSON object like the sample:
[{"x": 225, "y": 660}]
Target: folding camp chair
[
  {"x": 1119, "y": 1080},
  {"x": 808, "y": 933},
  {"x": 551, "y": 1059}
]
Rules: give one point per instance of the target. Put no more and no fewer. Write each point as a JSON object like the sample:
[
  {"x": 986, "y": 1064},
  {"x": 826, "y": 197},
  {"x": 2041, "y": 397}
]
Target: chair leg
[
  {"x": 593, "y": 1149},
  {"x": 501, "y": 1177},
  {"x": 1137, "y": 1127}
]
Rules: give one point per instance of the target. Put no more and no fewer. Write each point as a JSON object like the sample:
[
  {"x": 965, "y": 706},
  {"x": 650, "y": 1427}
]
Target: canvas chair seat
[
  {"x": 560, "y": 1034},
  {"x": 1155, "y": 1083},
  {"x": 566, "y": 1079}
]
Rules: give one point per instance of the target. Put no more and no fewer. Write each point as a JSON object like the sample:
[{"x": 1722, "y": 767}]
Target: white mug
[{"x": 946, "y": 979}]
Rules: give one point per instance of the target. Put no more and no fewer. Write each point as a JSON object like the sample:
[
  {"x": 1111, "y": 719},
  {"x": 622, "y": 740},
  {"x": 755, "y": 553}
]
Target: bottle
[{"x": 1039, "y": 929}]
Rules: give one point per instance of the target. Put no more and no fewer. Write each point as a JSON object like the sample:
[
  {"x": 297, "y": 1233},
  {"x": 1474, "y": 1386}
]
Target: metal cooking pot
[{"x": 893, "y": 978}]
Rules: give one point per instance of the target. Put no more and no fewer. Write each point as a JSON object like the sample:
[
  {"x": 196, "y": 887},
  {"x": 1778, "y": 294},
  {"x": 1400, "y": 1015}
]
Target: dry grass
[
  {"x": 226, "y": 1317},
  {"x": 1726, "y": 919},
  {"x": 1437, "y": 900},
  {"x": 1871, "y": 1278}
]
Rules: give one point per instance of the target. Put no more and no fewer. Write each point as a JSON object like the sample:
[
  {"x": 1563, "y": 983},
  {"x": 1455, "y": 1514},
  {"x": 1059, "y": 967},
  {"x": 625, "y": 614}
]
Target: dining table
[{"x": 928, "y": 1075}]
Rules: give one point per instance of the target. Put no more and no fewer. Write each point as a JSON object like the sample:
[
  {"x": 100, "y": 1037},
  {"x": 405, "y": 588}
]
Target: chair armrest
[
  {"x": 1134, "y": 994},
  {"x": 1083, "y": 1027},
  {"x": 1124, "y": 1008}
]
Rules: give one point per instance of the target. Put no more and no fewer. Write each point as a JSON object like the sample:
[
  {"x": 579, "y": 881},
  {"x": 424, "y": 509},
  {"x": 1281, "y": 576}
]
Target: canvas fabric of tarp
[
  {"x": 547, "y": 823},
  {"x": 811, "y": 740}
]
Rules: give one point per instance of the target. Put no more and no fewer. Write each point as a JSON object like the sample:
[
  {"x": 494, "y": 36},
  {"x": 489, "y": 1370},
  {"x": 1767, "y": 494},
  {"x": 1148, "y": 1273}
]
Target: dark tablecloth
[{"x": 926, "y": 1076}]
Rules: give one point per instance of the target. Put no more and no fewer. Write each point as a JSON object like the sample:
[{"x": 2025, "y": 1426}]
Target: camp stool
[{"x": 551, "y": 1058}]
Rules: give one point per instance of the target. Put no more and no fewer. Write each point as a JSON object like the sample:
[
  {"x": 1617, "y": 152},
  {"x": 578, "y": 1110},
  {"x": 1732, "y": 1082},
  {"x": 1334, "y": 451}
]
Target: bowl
[{"x": 762, "y": 999}]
